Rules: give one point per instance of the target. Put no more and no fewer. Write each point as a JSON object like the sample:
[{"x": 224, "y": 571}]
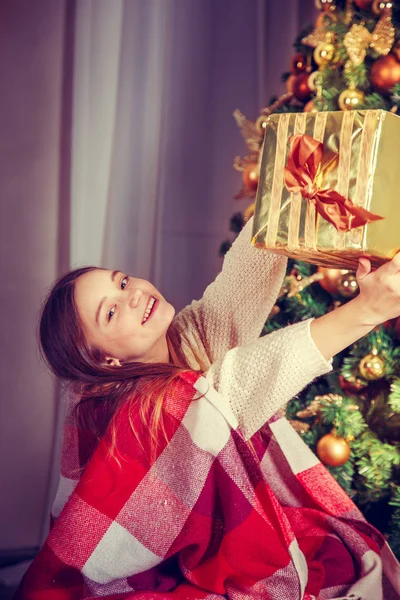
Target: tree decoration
[
  {"x": 363, "y": 4},
  {"x": 385, "y": 73},
  {"x": 324, "y": 53},
  {"x": 378, "y": 6},
  {"x": 333, "y": 450},
  {"x": 351, "y": 99},
  {"x": 261, "y": 124},
  {"x": 358, "y": 39},
  {"x": 300, "y": 87},
  {"x": 299, "y": 63},
  {"x": 347, "y": 285},
  {"x": 310, "y": 107},
  {"x": 358, "y": 402},
  {"x": 330, "y": 279},
  {"x": 249, "y": 212},
  {"x": 356, "y": 42},
  {"x": 326, "y": 5},
  {"x": 372, "y": 366},
  {"x": 383, "y": 34},
  {"x": 312, "y": 81},
  {"x": 250, "y": 176}
]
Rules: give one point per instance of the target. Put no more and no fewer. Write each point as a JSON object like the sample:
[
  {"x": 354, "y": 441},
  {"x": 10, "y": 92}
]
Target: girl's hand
[
  {"x": 378, "y": 301},
  {"x": 379, "y": 297}
]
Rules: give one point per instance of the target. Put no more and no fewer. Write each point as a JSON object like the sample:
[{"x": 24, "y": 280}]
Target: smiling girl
[{"x": 180, "y": 478}]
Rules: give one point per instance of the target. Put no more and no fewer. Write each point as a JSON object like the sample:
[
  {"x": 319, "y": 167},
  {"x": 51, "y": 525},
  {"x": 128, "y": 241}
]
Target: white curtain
[
  {"x": 156, "y": 82},
  {"x": 146, "y": 184}
]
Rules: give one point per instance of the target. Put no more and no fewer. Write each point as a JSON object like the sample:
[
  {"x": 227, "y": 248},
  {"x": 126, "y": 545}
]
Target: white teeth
[{"x": 148, "y": 309}]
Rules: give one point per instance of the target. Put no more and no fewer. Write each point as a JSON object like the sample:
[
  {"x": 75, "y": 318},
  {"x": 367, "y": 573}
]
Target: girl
[{"x": 179, "y": 476}]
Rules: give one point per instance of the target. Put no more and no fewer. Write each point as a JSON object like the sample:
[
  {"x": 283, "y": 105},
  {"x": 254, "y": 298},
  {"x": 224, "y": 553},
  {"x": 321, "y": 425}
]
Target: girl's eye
[
  {"x": 111, "y": 313},
  {"x": 124, "y": 279}
]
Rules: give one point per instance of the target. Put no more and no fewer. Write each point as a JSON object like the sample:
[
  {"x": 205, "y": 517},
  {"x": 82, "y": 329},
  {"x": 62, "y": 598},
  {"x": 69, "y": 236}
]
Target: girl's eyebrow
[{"x": 113, "y": 275}]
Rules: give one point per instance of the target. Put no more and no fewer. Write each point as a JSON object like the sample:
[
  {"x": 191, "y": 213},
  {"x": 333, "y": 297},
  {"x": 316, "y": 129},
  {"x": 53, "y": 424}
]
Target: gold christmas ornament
[
  {"x": 372, "y": 366},
  {"x": 383, "y": 34},
  {"x": 380, "y": 5},
  {"x": 330, "y": 279},
  {"x": 332, "y": 450},
  {"x": 347, "y": 285},
  {"x": 312, "y": 80},
  {"x": 324, "y": 53},
  {"x": 325, "y": 5},
  {"x": 351, "y": 99},
  {"x": 356, "y": 42}
]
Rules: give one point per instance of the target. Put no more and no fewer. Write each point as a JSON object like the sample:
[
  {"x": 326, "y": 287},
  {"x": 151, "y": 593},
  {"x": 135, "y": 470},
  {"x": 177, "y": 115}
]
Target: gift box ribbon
[{"x": 304, "y": 173}]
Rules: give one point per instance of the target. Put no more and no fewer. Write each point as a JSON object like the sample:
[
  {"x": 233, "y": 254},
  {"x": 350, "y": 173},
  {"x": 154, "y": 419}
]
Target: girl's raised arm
[{"x": 234, "y": 307}]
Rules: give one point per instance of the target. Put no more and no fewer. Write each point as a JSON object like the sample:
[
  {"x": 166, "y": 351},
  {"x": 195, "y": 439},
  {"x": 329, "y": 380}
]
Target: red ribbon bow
[{"x": 303, "y": 166}]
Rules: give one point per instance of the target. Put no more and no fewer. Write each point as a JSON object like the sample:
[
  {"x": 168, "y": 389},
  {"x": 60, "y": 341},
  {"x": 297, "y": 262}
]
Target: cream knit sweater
[{"x": 221, "y": 336}]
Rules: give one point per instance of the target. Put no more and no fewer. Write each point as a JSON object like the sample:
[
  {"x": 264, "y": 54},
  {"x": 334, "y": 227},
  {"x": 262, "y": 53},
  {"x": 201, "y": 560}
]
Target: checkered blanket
[{"x": 209, "y": 518}]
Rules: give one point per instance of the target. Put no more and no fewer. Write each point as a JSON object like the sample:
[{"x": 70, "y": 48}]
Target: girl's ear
[{"x": 113, "y": 362}]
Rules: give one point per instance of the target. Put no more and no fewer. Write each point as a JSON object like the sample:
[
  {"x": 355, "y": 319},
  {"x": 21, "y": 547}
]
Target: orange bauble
[
  {"x": 310, "y": 107},
  {"x": 363, "y": 4},
  {"x": 385, "y": 73},
  {"x": 333, "y": 451},
  {"x": 300, "y": 87},
  {"x": 251, "y": 175},
  {"x": 331, "y": 280}
]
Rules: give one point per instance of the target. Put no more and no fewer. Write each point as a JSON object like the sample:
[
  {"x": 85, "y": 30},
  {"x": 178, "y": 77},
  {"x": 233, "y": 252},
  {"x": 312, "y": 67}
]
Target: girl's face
[{"x": 112, "y": 307}]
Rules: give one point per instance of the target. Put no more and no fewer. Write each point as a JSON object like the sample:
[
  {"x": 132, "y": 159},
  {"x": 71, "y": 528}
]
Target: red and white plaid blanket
[{"x": 208, "y": 519}]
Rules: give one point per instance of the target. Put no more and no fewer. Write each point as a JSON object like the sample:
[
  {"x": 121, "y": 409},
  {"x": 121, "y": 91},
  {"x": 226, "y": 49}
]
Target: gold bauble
[
  {"x": 372, "y": 367},
  {"x": 312, "y": 83},
  {"x": 331, "y": 279},
  {"x": 347, "y": 285},
  {"x": 332, "y": 450},
  {"x": 325, "y": 5},
  {"x": 261, "y": 123},
  {"x": 324, "y": 53},
  {"x": 385, "y": 73},
  {"x": 379, "y": 5},
  {"x": 351, "y": 99}
]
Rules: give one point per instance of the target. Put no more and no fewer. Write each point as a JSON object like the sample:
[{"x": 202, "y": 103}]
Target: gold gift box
[{"x": 361, "y": 162}]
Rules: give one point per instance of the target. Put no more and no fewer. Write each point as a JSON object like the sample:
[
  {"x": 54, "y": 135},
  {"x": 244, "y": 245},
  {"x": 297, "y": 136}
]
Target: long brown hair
[{"x": 102, "y": 389}]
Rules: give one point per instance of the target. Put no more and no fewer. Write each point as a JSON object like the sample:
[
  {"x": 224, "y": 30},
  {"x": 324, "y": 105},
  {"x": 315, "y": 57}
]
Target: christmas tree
[{"x": 349, "y": 59}]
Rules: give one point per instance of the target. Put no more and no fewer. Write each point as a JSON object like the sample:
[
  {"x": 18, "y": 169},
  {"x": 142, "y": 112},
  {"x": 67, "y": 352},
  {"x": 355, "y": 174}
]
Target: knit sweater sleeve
[
  {"x": 235, "y": 306},
  {"x": 260, "y": 377}
]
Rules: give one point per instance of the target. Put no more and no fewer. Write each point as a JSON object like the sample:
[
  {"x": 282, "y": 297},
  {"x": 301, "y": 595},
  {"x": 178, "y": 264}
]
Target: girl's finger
[{"x": 364, "y": 267}]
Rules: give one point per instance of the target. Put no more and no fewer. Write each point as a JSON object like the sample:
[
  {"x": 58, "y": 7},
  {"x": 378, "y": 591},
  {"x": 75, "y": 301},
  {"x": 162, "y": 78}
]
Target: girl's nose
[{"x": 134, "y": 299}]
